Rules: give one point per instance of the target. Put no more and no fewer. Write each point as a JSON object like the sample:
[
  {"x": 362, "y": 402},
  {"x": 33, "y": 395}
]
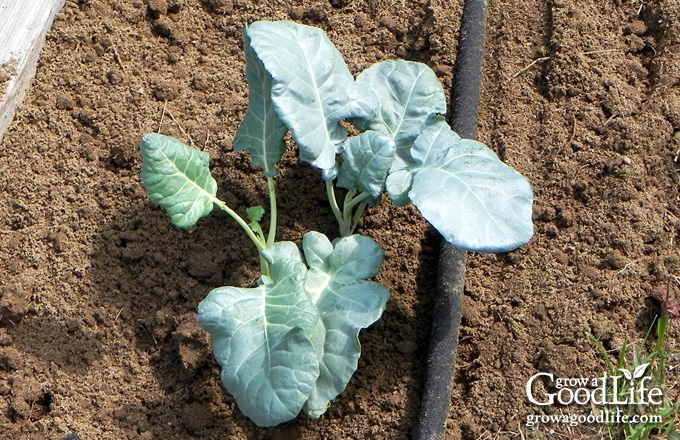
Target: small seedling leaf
[
  {"x": 410, "y": 97},
  {"x": 346, "y": 302},
  {"x": 255, "y": 213},
  {"x": 261, "y": 132},
  {"x": 367, "y": 159},
  {"x": 261, "y": 339},
  {"x": 177, "y": 177}
]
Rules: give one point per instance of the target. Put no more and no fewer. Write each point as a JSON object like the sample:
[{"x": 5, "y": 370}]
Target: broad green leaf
[
  {"x": 366, "y": 160},
  {"x": 317, "y": 248},
  {"x": 261, "y": 132},
  {"x": 433, "y": 144},
  {"x": 346, "y": 303},
  {"x": 262, "y": 339},
  {"x": 410, "y": 97},
  {"x": 469, "y": 195},
  {"x": 281, "y": 251},
  {"x": 177, "y": 177},
  {"x": 312, "y": 87}
]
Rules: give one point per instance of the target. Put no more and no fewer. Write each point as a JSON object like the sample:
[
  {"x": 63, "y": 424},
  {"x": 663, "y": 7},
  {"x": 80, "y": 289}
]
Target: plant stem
[
  {"x": 271, "y": 237},
  {"x": 330, "y": 192},
  {"x": 259, "y": 243},
  {"x": 256, "y": 234},
  {"x": 348, "y": 219},
  {"x": 264, "y": 266},
  {"x": 258, "y": 231},
  {"x": 662, "y": 327},
  {"x": 357, "y": 215},
  {"x": 346, "y": 204},
  {"x": 352, "y": 218},
  {"x": 353, "y": 201}
]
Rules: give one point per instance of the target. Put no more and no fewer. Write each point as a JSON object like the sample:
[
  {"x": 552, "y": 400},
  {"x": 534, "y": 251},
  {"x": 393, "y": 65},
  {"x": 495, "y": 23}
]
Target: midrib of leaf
[
  {"x": 263, "y": 310},
  {"x": 265, "y": 342},
  {"x": 403, "y": 114},
  {"x": 264, "y": 137},
  {"x": 316, "y": 87},
  {"x": 180, "y": 172},
  {"x": 351, "y": 301},
  {"x": 266, "y": 323},
  {"x": 262, "y": 72},
  {"x": 468, "y": 190},
  {"x": 318, "y": 292},
  {"x": 295, "y": 42},
  {"x": 370, "y": 161},
  {"x": 431, "y": 147}
]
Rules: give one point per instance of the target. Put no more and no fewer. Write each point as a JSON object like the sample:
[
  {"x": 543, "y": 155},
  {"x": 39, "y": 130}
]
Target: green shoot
[
  {"x": 352, "y": 209},
  {"x": 661, "y": 420}
]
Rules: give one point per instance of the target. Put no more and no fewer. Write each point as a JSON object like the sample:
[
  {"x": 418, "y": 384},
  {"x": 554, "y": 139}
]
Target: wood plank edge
[{"x": 25, "y": 71}]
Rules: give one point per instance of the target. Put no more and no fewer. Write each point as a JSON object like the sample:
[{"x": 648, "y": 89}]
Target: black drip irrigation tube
[{"x": 449, "y": 293}]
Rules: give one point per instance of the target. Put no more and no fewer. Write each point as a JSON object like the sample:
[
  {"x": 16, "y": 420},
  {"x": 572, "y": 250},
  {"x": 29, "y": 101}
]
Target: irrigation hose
[{"x": 448, "y": 301}]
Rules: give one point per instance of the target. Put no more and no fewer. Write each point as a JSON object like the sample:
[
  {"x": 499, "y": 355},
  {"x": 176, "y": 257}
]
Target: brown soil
[{"x": 99, "y": 292}]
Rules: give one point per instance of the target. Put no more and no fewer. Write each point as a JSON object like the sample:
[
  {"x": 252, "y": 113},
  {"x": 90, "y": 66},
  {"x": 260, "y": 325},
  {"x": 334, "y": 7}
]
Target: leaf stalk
[
  {"x": 348, "y": 218},
  {"x": 273, "y": 215},
  {"x": 259, "y": 243}
]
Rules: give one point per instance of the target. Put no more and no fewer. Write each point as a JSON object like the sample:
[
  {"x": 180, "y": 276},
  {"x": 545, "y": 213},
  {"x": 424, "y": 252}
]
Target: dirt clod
[
  {"x": 200, "y": 82},
  {"x": 10, "y": 359},
  {"x": 157, "y": 8},
  {"x": 174, "y": 6},
  {"x": 219, "y": 6},
  {"x": 163, "y": 27},
  {"x": 615, "y": 259},
  {"x": 191, "y": 342},
  {"x": 166, "y": 91},
  {"x": 114, "y": 76},
  {"x": 14, "y": 304},
  {"x": 203, "y": 265},
  {"x": 638, "y": 27},
  {"x": 64, "y": 103}
]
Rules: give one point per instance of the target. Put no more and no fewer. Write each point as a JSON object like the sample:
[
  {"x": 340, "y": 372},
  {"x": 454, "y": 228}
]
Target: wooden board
[{"x": 23, "y": 26}]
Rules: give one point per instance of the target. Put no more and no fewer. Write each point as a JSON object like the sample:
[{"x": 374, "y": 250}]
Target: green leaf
[
  {"x": 262, "y": 339},
  {"x": 255, "y": 213},
  {"x": 346, "y": 303},
  {"x": 398, "y": 184},
  {"x": 261, "y": 132},
  {"x": 366, "y": 160},
  {"x": 312, "y": 87},
  {"x": 410, "y": 97},
  {"x": 469, "y": 195},
  {"x": 672, "y": 434},
  {"x": 177, "y": 177},
  {"x": 318, "y": 250},
  {"x": 281, "y": 251}
]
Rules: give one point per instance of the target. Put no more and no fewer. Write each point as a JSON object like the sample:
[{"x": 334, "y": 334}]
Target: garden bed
[{"x": 98, "y": 332}]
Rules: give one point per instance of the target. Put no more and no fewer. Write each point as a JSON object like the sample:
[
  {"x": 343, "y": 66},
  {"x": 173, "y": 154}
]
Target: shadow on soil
[{"x": 151, "y": 276}]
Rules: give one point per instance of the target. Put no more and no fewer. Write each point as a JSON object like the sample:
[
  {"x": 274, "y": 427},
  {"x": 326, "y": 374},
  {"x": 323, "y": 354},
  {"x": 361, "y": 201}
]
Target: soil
[{"x": 98, "y": 293}]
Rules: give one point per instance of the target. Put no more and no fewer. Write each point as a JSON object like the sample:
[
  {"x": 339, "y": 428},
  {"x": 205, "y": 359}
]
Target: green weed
[{"x": 649, "y": 421}]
